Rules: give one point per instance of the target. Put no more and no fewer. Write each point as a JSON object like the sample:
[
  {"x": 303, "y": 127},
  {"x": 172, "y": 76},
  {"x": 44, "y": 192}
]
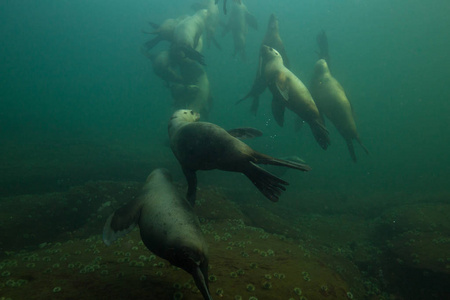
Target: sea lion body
[
  {"x": 163, "y": 66},
  {"x": 289, "y": 91},
  {"x": 187, "y": 42},
  {"x": 199, "y": 96},
  {"x": 163, "y": 32},
  {"x": 206, "y": 146},
  {"x": 332, "y": 101},
  {"x": 272, "y": 39},
  {"x": 168, "y": 227},
  {"x": 238, "y": 23}
]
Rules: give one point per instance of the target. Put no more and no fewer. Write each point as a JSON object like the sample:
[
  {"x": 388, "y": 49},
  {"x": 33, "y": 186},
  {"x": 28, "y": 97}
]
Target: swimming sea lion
[
  {"x": 289, "y": 91},
  {"x": 211, "y": 22},
  {"x": 163, "y": 66},
  {"x": 163, "y": 32},
  {"x": 186, "y": 37},
  {"x": 271, "y": 39},
  {"x": 238, "y": 23},
  {"x": 195, "y": 76},
  {"x": 168, "y": 227},
  {"x": 332, "y": 101},
  {"x": 206, "y": 146}
]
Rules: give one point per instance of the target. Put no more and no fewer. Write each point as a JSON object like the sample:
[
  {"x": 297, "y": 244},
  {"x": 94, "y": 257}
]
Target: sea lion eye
[
  {"x": 184, "y": 112},
  {"x": 192, "y": 113}
]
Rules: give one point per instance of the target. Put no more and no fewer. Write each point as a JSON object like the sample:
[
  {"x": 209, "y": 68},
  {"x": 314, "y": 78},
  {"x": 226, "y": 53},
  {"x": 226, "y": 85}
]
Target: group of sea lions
[{"x": 167, "y": 222}]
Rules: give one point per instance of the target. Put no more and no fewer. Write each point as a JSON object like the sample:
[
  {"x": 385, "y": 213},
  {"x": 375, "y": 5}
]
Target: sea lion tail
[
  {"x": 270, "y": 185},
  {"x": 320, "y": 133}
]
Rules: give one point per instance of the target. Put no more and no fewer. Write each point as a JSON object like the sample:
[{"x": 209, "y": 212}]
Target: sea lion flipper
[
  {"x": 351, "y": 149},
  {"x": 270, "y": 185},
  {"x": 278, "y": 111},
  {"x": 122, "y": 221},
  {"x": 251, "y": 20},
  {"x": 282, "y": 84},
  {"x": 245, "y": 133},
  {"x": 191, "y": 178},
  {"x": 153, "y": 42}
]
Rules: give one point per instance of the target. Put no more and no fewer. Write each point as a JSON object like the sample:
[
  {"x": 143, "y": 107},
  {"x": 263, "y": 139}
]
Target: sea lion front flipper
[
  {"x": 245, "y": 133},
  {"x": 122, "y": 221},
  {"x": 278, "y": 111},
  {"x": 191, "y": 178},
  {"x": 281, "y": 82},
  {"x": 322, "y": 42}
]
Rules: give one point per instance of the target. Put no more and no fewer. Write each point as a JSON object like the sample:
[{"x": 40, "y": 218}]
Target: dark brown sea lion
[
  {"x": 271, "y": 39},
  {"x": 168, "y": 227},
  {"x": 289, "y": 91},
  {"x": 206, "y": 146},
  {"x": 332, "y": 101},
  {"x": 238, "y": 23}
]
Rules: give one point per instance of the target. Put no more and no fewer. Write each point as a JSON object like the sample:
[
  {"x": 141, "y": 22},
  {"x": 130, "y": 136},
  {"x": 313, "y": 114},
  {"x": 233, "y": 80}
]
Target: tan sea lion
[
  {"x": 289, "y": 91},
  {"x": 271, "y": 39},
  {"x": 238, "y": 23},
  {"x": 163, "y": 32},
  {"x": 163, "y": 66},
  {"x": 168, "y": 227},
  {"x": 206, "y": 146},
  {"x": 211, "y": 22},
  {"x": 332, "y": 101},
  {"x": 199, "y": 97},
  {"x": 187, "y": 37}
]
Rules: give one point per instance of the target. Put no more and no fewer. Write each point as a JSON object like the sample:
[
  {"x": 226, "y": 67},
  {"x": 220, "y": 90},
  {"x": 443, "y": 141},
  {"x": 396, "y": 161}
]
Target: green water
[{"x": 79, "y": 102}]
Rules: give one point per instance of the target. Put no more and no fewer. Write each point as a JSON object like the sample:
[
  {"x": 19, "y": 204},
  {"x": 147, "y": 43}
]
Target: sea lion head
[
  {"x": 268, "y": 53},
  {"x": 273, "y": 23},
  {"x": 187, "y": 115},
  {"x": 321, "y": 67}
]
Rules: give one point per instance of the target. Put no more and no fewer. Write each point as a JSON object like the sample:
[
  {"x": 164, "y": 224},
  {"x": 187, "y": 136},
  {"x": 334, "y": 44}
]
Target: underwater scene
[{"x": 225, "y": 149}]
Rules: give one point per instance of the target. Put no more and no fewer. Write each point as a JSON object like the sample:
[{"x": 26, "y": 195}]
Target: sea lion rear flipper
[
  {"x": 153, "y": 42},
  {"x": 251, "y": 20},
  {"x": 191, "y": 178},
  {"x": 289, "y": 163},
  {"x": 320, "y": 133},
  {"x": 361, "y": 144},
  {"x": 278, "y": 111},
  {"x": 245, "y": 133},
  {"x": 270, "y": 185},
  {"x": 122, "y": 221}
]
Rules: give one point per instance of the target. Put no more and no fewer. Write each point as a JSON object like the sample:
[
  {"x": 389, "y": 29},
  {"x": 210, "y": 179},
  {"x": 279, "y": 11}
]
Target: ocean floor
[{"x": 52, "y": 248}]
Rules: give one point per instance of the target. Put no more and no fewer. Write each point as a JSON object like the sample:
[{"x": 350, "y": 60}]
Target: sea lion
[
  {"x": 332, "y": 101},
  {"x": 211, "y": 22},
  {"x": 271, "y": 39},
  {"x": 195, "y": 77},
  {"x": 187, "y": 37},
  {"x": 168, "y": 227},
  {"x": 289, "y": 91},
  {"x": 163, "y": 32},
  {"x": 206, "y": 146},
  {"x": 225, "y": 5},
  {"x": 322, "y": 42},
  {"x": 238, "y": 23},
  {"x": 163, "y": 66}
]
